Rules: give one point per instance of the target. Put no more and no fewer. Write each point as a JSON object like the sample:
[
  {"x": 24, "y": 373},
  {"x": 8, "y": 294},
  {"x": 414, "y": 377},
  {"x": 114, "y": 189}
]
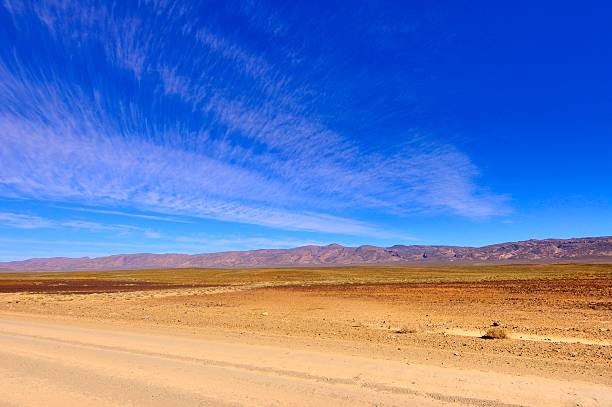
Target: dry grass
[{"x": 495, "y": 333}]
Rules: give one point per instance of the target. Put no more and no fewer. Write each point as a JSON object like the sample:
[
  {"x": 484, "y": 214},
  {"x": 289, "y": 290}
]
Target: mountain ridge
[{"x": 537, "y": 251}]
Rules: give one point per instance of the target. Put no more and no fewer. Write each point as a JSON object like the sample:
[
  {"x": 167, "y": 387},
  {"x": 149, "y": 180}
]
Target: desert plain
[{"x": 401, "y": 335}]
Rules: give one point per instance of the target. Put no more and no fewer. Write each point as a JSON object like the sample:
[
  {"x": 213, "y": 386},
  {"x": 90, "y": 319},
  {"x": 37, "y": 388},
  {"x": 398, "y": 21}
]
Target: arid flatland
[{"x": 558, "y": 318}]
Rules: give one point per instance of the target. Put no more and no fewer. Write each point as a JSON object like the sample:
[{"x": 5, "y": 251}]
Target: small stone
[{"x": 265, "y": 314}]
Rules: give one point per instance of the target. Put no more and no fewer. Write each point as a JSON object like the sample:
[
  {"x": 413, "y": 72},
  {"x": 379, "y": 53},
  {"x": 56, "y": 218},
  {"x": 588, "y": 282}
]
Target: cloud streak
[
  {"x": 125, "y": 214},
  {"x": 212, "y": 127},
  {"x": 23, "y": 221}
]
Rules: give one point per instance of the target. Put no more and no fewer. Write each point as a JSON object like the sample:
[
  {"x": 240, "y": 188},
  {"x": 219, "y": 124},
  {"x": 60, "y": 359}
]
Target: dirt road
[{"x": 70, "y": 364}]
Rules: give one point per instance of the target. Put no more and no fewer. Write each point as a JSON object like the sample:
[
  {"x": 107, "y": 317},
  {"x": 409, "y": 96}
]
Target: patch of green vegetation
[{"x": 334, "y": 275}]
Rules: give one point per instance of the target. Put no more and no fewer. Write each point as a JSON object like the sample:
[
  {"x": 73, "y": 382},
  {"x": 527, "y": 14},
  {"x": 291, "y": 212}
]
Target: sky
[{"x": 167, "y": 126}]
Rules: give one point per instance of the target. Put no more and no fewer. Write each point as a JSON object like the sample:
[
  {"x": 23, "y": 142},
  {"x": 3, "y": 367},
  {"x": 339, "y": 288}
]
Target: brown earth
[
  {"x": 89, "y": 286},
  {"x": 559, "y": 328}
]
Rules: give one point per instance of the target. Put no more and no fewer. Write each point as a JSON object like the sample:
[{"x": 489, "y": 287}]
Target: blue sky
[{"x": 162, "y": 126}]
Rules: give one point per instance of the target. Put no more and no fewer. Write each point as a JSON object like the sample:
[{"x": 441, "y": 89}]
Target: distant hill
[{"x": 587, "y": 249}]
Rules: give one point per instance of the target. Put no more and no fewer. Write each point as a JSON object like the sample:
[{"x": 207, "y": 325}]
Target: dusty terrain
[{"x": 377, "y": 336}]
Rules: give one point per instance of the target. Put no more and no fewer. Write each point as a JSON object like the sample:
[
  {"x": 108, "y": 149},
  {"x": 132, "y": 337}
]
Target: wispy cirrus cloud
[
  {"x": 25, "y": 221},
  {"x": 172, "y": 219},
  {"x": 115, "y": 171},
  {"x": 21, "y": 221},
  {"x": 187, "y": 118}
]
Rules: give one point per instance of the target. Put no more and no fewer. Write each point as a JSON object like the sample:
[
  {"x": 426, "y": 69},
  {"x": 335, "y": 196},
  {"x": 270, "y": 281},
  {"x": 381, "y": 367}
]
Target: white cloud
[
  {"x": 39, "y": 164},
  {"x": 152, "y": 234},
  {"x": 24, "y": 221},
  {"x": 20, "y": 221},
  {"x": 259, "y": 155},
  {"x": 172, "y": 219}
]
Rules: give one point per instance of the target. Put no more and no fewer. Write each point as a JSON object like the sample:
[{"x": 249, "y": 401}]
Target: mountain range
[{"x": 589, "y": 249}]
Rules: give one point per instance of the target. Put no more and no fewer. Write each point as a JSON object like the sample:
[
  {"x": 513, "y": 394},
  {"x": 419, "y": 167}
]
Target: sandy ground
[{"x": 376, "y": 344}]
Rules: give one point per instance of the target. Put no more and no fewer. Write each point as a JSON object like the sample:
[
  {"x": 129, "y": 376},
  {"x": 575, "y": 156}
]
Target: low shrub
[{"x": 495, "y": 333}]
